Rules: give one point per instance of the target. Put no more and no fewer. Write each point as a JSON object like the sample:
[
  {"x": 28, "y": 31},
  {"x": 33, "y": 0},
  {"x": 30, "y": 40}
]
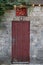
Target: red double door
[{"x": 21, "y": 41}]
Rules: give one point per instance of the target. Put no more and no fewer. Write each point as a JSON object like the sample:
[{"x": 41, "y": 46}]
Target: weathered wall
[{"x": 36, "y": 34}]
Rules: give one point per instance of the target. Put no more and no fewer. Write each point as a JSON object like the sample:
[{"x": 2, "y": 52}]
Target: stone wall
[{"x": 36, "y": 34}]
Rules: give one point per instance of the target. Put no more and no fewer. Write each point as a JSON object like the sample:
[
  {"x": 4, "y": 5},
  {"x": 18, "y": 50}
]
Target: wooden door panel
[{"x": 21, "y": 41}]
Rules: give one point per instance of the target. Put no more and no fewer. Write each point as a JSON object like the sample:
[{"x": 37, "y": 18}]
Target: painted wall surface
[{"x": 36, "y": 35}]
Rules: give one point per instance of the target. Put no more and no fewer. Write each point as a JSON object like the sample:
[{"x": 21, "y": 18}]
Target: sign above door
[{"x": 21, "y": 11}]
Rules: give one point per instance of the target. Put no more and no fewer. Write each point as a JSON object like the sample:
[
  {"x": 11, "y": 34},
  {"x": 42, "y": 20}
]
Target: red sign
[{"x": 21, "y": 11}]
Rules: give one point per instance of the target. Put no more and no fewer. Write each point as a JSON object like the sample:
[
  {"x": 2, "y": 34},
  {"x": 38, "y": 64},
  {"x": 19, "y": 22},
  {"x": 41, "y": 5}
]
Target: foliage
[{"x": 5, "y": 5}]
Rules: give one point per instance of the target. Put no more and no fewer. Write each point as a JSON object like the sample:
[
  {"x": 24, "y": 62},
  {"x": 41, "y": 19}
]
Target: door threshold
[{"x": 20, "y": 62}]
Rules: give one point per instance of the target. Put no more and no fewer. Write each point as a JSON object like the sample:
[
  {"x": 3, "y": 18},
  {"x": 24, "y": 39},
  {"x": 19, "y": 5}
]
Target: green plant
[{"x": 4, "y": 5}]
